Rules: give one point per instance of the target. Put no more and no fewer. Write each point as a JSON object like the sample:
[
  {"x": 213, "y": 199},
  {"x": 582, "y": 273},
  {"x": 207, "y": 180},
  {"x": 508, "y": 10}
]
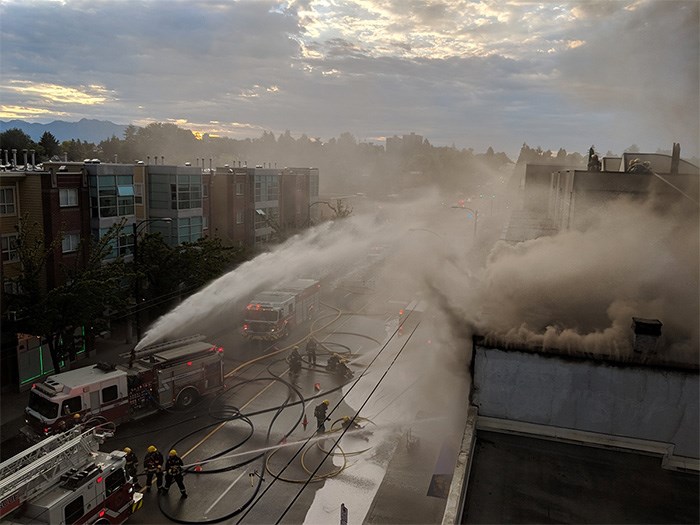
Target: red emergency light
[
  {"x": 189, "y": 363},
  {"x": 220, "y": 349},
  {"x": 99, "y": 479},
  {"x": 245, "y": 327},
  {"x": 401, "y": 311},
  {"x": 102, "y": 513}
]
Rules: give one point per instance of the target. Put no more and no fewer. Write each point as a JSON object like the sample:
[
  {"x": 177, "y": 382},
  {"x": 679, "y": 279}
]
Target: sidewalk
[{"x": 12, "y": 404}]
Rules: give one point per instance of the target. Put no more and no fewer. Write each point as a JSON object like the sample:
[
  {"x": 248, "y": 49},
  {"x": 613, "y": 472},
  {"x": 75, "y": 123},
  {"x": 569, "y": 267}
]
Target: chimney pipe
[
  {"x": 209, "y": 163},
  {"x": 33, "y": 158},
  {"x": 675, "y": 158},
  {"x": 24, "y": 154},
  {"x": 148, "y": 160},
  {"x": 14, "y": 158},
  {"x": 6, "y": 153},
  {"x": 162, "y": 160},
  {"x": 115, "y": 158},
  {"x": 646, "y": 335}
]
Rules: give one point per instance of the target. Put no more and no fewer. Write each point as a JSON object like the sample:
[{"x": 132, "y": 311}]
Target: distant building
[{"x": 557, "y": 197}]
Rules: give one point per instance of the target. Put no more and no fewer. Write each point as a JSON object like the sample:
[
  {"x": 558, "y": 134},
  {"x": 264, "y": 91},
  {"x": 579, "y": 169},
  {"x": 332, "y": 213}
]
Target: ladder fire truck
[
  {"x": 65, "y": 479},
  {"x": 156, "y": 377},
  {"x": 270, "y": 315}
]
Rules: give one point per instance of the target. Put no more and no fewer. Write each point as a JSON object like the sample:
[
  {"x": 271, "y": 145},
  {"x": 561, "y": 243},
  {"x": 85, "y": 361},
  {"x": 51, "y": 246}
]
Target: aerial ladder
[{"x": 40, "y": 467}]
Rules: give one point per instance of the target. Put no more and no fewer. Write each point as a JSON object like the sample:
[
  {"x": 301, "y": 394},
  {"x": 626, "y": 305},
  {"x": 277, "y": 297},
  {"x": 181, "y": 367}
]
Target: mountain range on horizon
[{"x": 89, "y": 130}]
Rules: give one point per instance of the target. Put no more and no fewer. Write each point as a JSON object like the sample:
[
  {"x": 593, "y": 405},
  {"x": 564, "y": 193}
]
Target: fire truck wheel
[
  {"x": 187, "y": 398},
  {"x": 102, "y": 521}
]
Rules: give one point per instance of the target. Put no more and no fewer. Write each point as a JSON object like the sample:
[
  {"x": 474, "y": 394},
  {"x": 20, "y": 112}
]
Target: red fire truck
[
  {"x": 158, "y": 376},
  {"x": 271, "y": 314},
  {"x": 66, "y": 479}
]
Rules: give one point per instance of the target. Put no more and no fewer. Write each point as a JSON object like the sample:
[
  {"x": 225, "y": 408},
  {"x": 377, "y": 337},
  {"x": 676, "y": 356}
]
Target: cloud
[{"x": 473, "y": 73}]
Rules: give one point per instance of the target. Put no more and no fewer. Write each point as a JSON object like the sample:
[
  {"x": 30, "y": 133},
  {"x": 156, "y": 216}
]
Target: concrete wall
[{"x": 642, "y": 402}]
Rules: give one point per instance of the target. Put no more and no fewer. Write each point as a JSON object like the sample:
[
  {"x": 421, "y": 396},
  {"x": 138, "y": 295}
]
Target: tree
[
  {"x": 171, "y": 271},
  {"x": 15, "y": 138},
  {"x": 90, "y": 287},
  {"x": 50, "y": 145},
  {"x": 340, "y": 209},
  {"x": 632, "y": 149}
]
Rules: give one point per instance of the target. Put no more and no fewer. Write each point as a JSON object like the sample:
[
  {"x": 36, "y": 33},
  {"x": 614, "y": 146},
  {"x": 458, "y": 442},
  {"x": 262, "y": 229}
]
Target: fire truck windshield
[
  {"x": 43, "y": 406},
  {"x": 262, "y": 315}
]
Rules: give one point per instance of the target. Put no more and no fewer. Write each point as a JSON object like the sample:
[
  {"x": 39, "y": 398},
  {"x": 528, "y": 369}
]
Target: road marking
[
  {"x": 247, "y": 363},
  {"x": 225, "y": 492}
]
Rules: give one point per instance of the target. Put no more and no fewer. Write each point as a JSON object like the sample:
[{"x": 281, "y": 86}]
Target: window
[
  {"x": 70, "y": 243},
  {"x": 239, "y": 188},
  {"x": 114, "y": 196},
  {"x": 109, "y": 394},
  {"x": 138, "y": 193},
  {"x": 121, "y": 246},
  {"x": 9, "y": 248},
  {"x": 73, "y": 511},
  {"x": 72, "y": 405},
  {"x": 7, "y": 201},
  {"x": 10, "y": 287},
  {"x": 189, "y": 229},
  {"x": 187, "y": 193},
  {"x": 239, "y": 217},
  {"x": 68, "y": 197},
  {"x": 114, "y": 481}
]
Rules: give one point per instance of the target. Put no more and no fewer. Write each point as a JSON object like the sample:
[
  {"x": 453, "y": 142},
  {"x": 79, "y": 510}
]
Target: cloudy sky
[{"x": 472, "y": 73}]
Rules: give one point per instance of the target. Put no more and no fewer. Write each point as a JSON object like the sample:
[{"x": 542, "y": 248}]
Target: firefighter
[
  {"x": 294, "y": 361},
  {"x": 153, "y": 464},
  {"x": 333, "y": 361},
  {"x": 311, "y": 351},
  {"x": 321, "y": 417},
  {"x": 76, "y": 420},
  {"x": 343, "y": 370},
  {"x": 173, "y": 471},
  {"x": 349, "y": 424},
  {"x": 131, "y": 466}
]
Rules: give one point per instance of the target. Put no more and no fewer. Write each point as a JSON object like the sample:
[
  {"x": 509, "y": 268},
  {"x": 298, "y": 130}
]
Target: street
[{"x": 251, "y": 451}]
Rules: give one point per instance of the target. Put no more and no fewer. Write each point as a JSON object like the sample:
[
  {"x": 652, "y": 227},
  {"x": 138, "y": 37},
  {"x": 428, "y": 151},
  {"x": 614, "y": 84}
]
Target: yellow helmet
[
  {"x": 346, "y": 418},
  {"x": 326, "y": 402},
  {"x": 76, "y": 415},
  {"x": 152, "y": 448},
  {"x": 127, "y": 450},
  {"x": 173, "y": 452}
]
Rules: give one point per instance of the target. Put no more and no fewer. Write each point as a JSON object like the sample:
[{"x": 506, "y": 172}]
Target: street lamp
[{"x": 136, "y": 227}]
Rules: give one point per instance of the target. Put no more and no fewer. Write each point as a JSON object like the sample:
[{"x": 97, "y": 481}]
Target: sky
[{"x": 469, "y": 73}]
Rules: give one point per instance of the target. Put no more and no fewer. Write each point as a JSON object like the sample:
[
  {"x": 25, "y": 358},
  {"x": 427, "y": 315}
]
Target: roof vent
[{"x": 647, "y": 333}]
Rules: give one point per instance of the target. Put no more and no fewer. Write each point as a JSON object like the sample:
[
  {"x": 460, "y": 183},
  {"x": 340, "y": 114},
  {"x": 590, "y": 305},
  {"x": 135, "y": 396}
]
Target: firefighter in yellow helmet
[
  {"x": 153, "y": 465},
  {"x": 131, "y": 466},
  {"x": 320, "y": 414},
  {"x": 173, "y": 471}
]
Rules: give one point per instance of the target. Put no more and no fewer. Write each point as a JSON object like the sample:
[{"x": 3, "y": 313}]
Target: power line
[
  {"x": 334, "y": 408},
  {"x": 330, "y": 449}
]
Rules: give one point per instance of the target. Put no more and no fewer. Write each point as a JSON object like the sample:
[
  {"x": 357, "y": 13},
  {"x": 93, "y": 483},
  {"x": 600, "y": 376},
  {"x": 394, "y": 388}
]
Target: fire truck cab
[{"x": 272, "y": 314}]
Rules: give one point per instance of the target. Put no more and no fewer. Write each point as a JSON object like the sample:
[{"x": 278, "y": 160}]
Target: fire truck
[
  {"x": 270, "y": 315},
  {"x": 156, "y": 377},
  {"x": 66, "y": 479}
]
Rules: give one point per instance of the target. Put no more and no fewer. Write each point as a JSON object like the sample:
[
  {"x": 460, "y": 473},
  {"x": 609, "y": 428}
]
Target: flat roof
[{"x": 519, "y": 479}]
